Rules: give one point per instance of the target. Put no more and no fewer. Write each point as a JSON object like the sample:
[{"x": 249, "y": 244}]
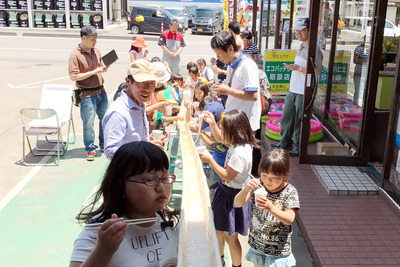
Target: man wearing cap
[
  {"x": 293, "y": 110},
  {"x": 172, "y": 44},
  {"x": 125, "y": 120},
  {"x": 85, "y": 69}
]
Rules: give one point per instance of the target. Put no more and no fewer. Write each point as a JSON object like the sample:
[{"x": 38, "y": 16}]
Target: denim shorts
[{"x": 270, "y": 261}]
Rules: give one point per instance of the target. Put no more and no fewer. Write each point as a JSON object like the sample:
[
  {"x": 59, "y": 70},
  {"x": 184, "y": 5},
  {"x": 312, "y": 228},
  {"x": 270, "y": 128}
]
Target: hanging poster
[
  {"x": 340, "y": 75},
  {"x": 278, "y": 75}
]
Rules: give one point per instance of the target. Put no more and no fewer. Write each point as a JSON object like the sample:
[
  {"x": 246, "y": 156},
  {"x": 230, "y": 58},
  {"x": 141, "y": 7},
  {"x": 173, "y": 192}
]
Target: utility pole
[
  {"x": 268, "y": 11},
  {"x": 291, "y": 24},
  {"x": 254, "y": 23},
  {"x": 261, "y": 26},
  {"x": 277, "y": 23},
  {"x": 234, "y": 10}
]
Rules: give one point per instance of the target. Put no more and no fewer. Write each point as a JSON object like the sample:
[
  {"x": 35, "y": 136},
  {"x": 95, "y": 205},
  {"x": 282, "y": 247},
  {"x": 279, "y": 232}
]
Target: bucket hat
[
  {"x": 163, "y": 75},
  {"x": 139, "y": 42}
]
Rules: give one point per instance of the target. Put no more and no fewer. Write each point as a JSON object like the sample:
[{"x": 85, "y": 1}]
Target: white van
[
  {"x": 181, "y": 14},
  {"x": 391, "y": 30}
]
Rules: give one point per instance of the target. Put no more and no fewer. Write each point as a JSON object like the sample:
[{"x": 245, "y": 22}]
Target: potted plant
[{"x": 389, "y": 51}]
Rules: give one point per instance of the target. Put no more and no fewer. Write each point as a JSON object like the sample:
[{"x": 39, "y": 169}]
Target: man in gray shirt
[{"x": 293, "y": 110}]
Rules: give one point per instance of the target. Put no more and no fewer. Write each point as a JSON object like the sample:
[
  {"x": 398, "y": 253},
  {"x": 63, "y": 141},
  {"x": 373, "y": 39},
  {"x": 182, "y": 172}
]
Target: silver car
[{"x": 181, "y": 15}]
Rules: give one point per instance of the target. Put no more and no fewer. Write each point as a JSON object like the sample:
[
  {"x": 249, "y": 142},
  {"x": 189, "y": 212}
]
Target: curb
[{"x": 117, "y": 32}]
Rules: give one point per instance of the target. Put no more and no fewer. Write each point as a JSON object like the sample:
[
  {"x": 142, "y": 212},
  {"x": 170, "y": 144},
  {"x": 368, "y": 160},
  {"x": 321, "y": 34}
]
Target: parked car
[
  {"x": 149, "y": 19},
  {"x": 208, "y": 20},
  {"x": 157, "y": 6},
  {"x": 181, "y": 14},
  {"x": 391, "y": 30},
  {"x": 191, "y": 14}
]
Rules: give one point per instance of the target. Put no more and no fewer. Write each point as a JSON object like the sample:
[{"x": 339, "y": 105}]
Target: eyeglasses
[{"x": 153, "y": 181}]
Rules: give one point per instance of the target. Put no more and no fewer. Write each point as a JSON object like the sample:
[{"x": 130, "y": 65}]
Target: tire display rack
[{"x": 66, "y": 14}]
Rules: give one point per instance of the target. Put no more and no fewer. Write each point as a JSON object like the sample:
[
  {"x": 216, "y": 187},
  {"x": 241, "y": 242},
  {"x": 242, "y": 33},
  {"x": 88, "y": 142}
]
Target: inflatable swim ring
[
  {"x": 273, "y": 130},
  {"x": 350, "y": 127},
  {"x": 338, "y": 111},
  {"x": 276, "y": 111},
  {"x": 348, "y": 124}
]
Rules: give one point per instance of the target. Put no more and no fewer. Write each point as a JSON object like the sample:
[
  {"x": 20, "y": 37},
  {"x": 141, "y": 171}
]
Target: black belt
[{"x": 94, "y": 88}]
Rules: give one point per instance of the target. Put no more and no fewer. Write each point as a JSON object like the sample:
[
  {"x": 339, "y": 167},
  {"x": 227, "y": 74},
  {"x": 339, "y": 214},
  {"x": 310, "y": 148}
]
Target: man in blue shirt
[{"x": 125, "y": 120}]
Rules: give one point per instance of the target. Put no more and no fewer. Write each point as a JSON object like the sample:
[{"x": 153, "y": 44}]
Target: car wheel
[{"x": 135, "y": 29}]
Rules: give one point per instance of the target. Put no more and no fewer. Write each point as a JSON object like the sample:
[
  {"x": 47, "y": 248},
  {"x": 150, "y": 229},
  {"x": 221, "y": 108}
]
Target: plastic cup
[
  {"x": 168, "y": 110},
  {"x": 260, "y": 192},
  {"x": 201, "y": 148},
  {"x": 169, "y": 262},
  {"x": 186, "y": 95},
  {"x": 169, "y": 128},
  {"x": 157, "y": 134}
]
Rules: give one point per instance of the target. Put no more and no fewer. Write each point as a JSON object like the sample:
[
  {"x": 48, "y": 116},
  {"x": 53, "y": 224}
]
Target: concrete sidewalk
[
  {"x": 120, "y": 31},
  {"x": 113, "y": 31}
]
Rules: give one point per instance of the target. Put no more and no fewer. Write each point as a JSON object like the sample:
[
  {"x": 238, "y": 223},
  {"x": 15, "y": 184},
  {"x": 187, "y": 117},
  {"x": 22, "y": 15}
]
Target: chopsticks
[
  {"x": 201, "y": 118},
  {"x": 252, "y": 177},
  {"x": 92, "y": 226}
]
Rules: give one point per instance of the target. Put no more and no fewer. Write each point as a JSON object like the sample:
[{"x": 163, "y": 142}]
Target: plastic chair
[{"x": 54, "y": 112}]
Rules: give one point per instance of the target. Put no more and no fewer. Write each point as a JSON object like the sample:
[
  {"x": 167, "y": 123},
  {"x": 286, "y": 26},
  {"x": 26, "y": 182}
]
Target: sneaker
[
  {"x": 90, "y": 156},
  {"x": 294, "y": 152},
  {"x": 279, "y": 145}
]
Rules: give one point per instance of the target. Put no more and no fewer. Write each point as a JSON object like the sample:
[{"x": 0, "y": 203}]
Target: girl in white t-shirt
[
  {"x": 138, "y": 49},
  {"x": 229, "y": 221},
  {"x": 205, "y": 71},
  {"x": 136, "y": 186}
]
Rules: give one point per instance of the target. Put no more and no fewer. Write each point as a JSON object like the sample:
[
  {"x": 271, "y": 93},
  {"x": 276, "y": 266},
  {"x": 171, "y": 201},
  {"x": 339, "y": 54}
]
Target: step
[{"x": 345, "y": 180}]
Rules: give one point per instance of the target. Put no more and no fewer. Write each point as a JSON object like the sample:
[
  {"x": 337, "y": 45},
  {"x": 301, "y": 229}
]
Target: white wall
[{"x": 391, "y": 13}]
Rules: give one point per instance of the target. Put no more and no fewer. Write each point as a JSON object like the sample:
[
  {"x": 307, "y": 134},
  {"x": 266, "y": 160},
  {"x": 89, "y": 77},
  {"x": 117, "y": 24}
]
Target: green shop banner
[
  {"x": 340, "y": 75},
  {"x": 279, "y": 76}
]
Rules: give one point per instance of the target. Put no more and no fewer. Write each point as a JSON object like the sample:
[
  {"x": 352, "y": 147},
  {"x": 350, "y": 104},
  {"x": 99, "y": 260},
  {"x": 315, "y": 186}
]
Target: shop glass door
[{"x": 333, "y": 101}]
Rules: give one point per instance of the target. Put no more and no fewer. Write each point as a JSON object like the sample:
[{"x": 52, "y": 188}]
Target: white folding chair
[{"x": 54, "y": 112}]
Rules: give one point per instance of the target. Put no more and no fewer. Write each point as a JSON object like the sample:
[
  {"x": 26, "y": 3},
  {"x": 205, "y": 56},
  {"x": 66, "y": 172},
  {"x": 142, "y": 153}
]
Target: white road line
[
  {"x": 18, "y": 187},
  {"x": 34, "y": 49},
  {"x": 35, "y": 83}
]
